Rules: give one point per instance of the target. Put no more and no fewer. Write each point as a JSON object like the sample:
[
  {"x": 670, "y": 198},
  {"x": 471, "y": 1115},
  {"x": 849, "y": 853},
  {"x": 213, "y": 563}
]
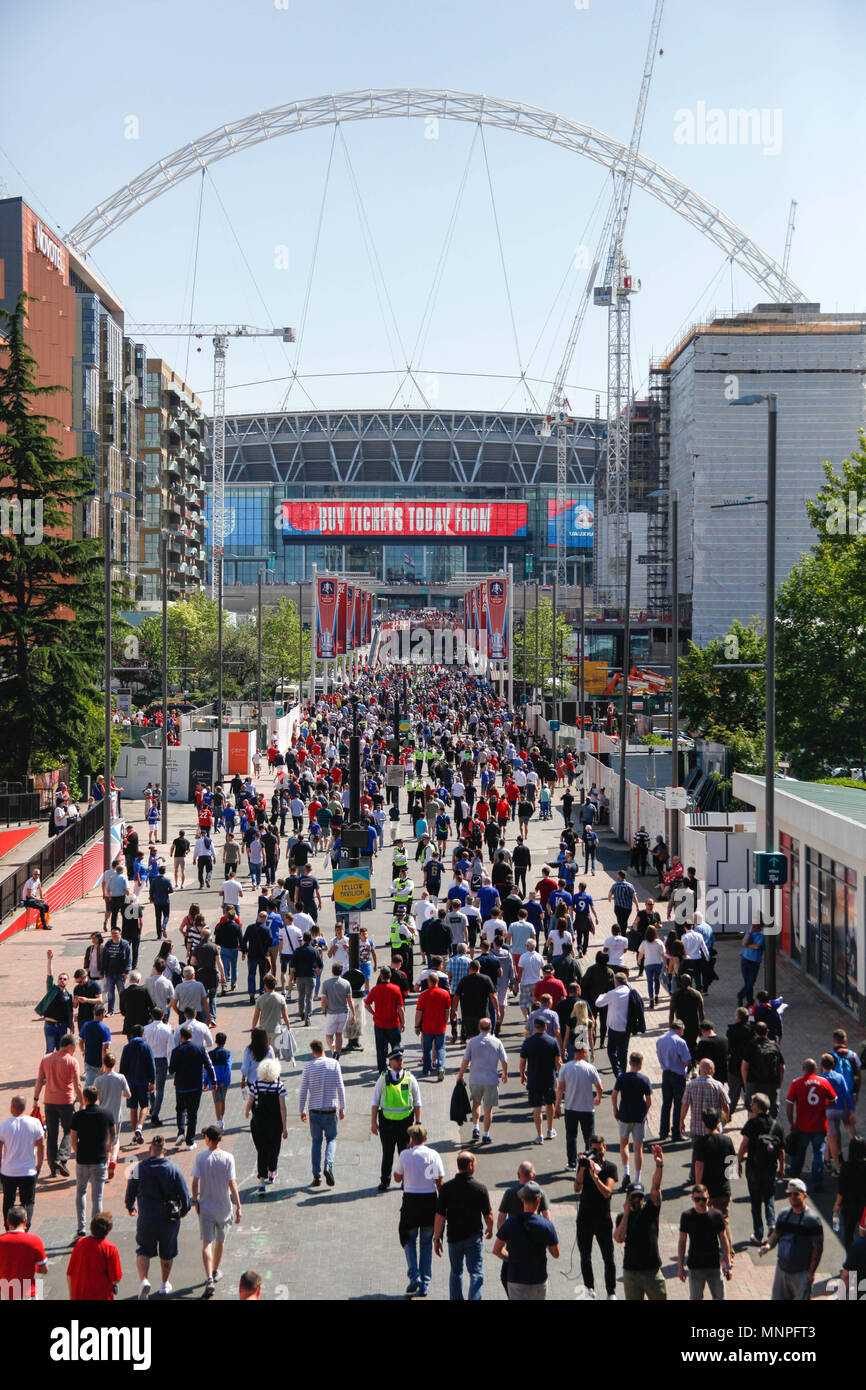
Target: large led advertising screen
[{"x": 446, "y": 521}]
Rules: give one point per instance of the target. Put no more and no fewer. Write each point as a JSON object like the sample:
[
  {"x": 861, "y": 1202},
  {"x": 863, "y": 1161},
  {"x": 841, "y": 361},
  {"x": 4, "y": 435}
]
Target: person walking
[
  {"x": 322, "y": 1100},
  {"x": 431, "y": 1024},
  {"x": 137, "y": 1065},
  {"x": 421, "y": 1173},
  {"x": 800, "y": 1237},
  {"x": 807, "y": 1103},
  {"x": 762, "y": 1145},
  {"x": 116, "y": 965},
  {"x": 751, "y": 955},
  {"x": 266, "y": 1110},
  {"x": 56, "y": 1008},
  {"x": 161, "y": 889},
  {"x": 22, "y": 1153},
  {"x": 594, "y": 1183},
  {"x": 525, "y": 1241},
  {"x": 338, "y": 1006},
  {"x": 93, "y": 1135},
  {"x": 157, "y": 1195},
  {"x": 270, "y": 1012},
  {"x": 22, "y": 1257},
  {"x": 617, "y": 1002},
  {"x": 540, "y": 1060},
  {"x": 704, "y": 1245},
  {"x": 385, "y": 1004},
  {"x": 637, "y": 1231},
  {"x": 702, "y": 1094},
  {"x": 631, "y": 1098},
  {"x": 624, "y": 899},
  {"x": 186, "y": 1064},
  {"x": 484, "y": 1056},
  {"x": 463, "y": 1209},
  {"x": 578, "y": 1092},
  {"x": 94, "y": 1270},
  {"x": 763, "y": 1067},
  {"x": 214, "y": 1191},
  {"x": 59, "y": 1077},
  {"x": 396, "y": 1105},
  {"x": 675, "y": 1059}
]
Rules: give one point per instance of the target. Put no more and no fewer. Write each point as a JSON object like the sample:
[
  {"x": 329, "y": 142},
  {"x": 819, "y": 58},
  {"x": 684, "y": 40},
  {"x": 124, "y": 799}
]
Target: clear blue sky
[{"x": 71, "y": 78}]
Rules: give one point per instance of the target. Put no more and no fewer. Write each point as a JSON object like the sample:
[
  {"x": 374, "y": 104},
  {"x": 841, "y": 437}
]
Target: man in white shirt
[
  {"x": 518, "y": 777},
  {"x": 22, "y": 1153},
  {"x": 484, "y": 1056},
  {"x": 617, "y": 1022},
  {"x": 338, "y": 947},
  {"x": 290, "y": 939},
  {"x": 694, "y": 945},
  {"x": 31, "y": 896},
  {"x": 160, "y": 988},
  {"x": 302, "y": 921},
  {"x": 158, "y": 1037},
  {"x": 616, "y": 946},
  {"x": 578, "y": 1092},
  {"x": 231, "y": 892},
  {"x": 421, "y": 1171},
  {"x": 529, "y": 971},
  {"x": 423, "y": 910},
  {"x": 201, "y": 1034}
]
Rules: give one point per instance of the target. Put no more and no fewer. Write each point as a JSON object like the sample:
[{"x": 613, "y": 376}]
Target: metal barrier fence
[
  {"x": 52, "y": 856},
  {"x": 19, "y": 808}
]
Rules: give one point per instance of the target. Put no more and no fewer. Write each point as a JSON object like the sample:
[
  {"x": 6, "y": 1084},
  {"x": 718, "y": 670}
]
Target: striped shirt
[
  {"x": 266, "y": 1088},
  {"x": 321, "y": 1086},
  {"x": 704, "y": 1093},
  {"x": 623, "y": 893}
]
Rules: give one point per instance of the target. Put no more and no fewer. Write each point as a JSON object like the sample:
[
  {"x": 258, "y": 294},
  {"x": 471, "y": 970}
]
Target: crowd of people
[{"x": 476, "y": 936}]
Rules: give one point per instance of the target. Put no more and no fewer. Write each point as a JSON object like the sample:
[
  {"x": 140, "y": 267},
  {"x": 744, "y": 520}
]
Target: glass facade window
[{"x": 832, "y": 926}]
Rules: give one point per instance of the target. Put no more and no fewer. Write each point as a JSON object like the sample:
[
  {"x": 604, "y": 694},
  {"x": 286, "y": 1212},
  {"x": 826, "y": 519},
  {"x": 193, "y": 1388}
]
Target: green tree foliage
[
  {"x": 821, "y": 641},
  {"x": 541, "y": 620},
  {"x": 715, "y": 696},
  {"x": 51, "y": 618},
  {"x": 280, "y": 645}
]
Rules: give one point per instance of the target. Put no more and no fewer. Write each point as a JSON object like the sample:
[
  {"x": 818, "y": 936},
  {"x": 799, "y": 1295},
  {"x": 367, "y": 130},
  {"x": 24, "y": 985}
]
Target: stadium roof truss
[{"x": 406, "y": 448}]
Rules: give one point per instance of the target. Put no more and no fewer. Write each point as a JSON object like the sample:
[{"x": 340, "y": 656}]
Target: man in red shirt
[
  {"x": 807, "y": 1102},
  {"x": 94, "y": 1268},
  {"x": 22, "y": 1256},
  {"x": 545, "y": 886},
  {"x": 385, "y": 1003},
  {"x": 549, "y": 984},
  {"x": 431, "y": 1021}
]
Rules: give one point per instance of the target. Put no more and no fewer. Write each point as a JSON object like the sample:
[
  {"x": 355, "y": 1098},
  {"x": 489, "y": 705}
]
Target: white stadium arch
[{"x": 456, "y": 106}]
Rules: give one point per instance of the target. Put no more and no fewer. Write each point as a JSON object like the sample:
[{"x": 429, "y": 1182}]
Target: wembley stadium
[{"x": 409, "y": 497}]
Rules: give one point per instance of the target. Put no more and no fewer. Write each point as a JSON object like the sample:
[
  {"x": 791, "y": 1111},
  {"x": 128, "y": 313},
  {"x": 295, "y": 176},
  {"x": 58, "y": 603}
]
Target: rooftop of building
[
  {"x": 767, "y": 319},
  {"x": 848, "y": 802}
]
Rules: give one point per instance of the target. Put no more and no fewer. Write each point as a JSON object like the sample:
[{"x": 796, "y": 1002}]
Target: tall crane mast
[
  {"x": 558, "y": 418},
  {"x": 615, "y": 294},
  {"x": 220, "y": 333}
]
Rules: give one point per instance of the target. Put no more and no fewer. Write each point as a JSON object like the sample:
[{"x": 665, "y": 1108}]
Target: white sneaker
[
  {"x": 191, "y": 1146},
  {"x": 611, "y": 1298},
  {"x": 539, "y": 1139},
  {"x": 217, "y": 1275},
  {"x": 165, "y": 1288},
  {"x": 551, "y": 1134},
  {"x": 144, "y": 1291}
]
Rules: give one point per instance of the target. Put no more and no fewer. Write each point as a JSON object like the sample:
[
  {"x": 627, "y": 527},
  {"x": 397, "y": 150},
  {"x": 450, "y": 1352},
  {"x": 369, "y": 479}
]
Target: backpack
[
  {"x": 766, "y": 1150},
  {"x": 844, "y": 1067},
  {"x": 765, "y": 1068}
]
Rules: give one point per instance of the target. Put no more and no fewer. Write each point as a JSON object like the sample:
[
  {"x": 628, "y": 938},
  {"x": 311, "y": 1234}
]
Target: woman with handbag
[{"x": 267, "y": 1106}]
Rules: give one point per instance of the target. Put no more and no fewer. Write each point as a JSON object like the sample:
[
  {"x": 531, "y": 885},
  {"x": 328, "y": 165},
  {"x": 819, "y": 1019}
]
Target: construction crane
[
  {"x": 615, "y": 294},
  {"x": 790, "y": 236},
  {"x": 558, "y": 417},
  {"x": 220, "y": 333}
]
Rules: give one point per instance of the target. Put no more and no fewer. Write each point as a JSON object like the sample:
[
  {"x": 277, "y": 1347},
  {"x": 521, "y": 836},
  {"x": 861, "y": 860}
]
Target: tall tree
[
  {"x": 50, "y": 589},
  {"x": 540, "y": 621},
  {"x": 821, "y": 641},
  {"x": 717, "y": 695},
  {"x": 280, "y": 644}
]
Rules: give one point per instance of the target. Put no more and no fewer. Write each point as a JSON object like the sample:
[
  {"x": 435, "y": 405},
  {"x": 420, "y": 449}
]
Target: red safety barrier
[
  {"x": 77, "y": 880},
  {"x": 10, "y": 838}
]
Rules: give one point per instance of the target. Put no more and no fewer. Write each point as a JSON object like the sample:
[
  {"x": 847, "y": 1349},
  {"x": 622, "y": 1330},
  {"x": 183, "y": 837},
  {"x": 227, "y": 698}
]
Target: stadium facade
[{"x": 415, "y": 496}]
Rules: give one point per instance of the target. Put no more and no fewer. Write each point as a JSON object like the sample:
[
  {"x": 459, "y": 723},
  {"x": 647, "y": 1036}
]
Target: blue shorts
[
  {"x": 139, "y": 1095},
  {"x": 153, "y": 1241}
]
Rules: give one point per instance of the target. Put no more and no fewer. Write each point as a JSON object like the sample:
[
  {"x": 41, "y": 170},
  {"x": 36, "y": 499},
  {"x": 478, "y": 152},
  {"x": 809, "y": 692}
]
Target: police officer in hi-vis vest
[{"x": 396, "y": 1105}]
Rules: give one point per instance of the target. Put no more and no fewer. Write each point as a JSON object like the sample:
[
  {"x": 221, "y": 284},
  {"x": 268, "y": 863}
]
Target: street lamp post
[
  {"x": 582, "y": 692},
  {"x": 259, "y": 720},
  {"x": 219, "y": 771},
  {"x": 163, "y": 800},
  {"x": 673, "y": 494},
  {"x": 626, "y": 643},
  {"x": 772, "y": 401},
  {"x": 107, "y": 767}
]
